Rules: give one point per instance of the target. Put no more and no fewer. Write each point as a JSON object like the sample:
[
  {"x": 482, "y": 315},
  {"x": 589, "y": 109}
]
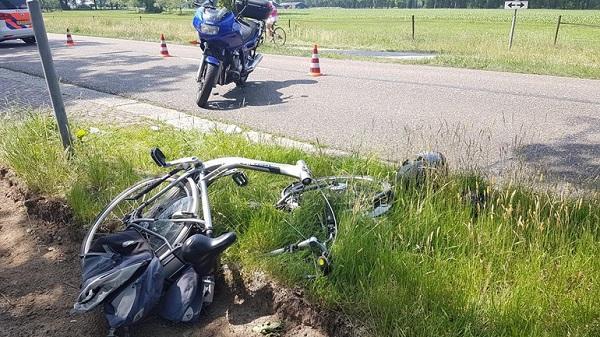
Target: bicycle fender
[{"x": 212, "y": 60}]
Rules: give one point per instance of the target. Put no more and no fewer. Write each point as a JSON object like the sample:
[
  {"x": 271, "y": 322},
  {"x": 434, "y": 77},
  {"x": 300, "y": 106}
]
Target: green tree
[
  {"x": 170, "y": 4},
  {"x": 148, "y": 5},
  {"x": 50, "y": 4}
]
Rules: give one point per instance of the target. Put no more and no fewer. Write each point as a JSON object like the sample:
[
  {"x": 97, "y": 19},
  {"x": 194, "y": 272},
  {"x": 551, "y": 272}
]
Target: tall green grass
[
  {"x": 457, "y": 257},
  {"x": 470, "y": 38}
]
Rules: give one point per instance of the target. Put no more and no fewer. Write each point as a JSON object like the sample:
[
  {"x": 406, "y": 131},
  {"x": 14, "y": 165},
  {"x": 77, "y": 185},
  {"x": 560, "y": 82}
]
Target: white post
[{"x": 512, "y": 30}]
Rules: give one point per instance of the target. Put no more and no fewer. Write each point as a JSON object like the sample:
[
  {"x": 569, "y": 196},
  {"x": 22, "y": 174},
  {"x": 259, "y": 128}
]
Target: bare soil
[{"x": 39, "y": 281}]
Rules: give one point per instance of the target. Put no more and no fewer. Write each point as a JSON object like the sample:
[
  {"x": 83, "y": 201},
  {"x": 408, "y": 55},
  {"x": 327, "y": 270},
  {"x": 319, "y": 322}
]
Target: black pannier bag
[
  {"x": 120, "y": 271},
  {"x": 256, "y": 9}
]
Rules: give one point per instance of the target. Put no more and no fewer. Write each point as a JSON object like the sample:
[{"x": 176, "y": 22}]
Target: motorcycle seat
[
  {"x": 247, "y": 29},
  {"x": 202, "y": 252}
]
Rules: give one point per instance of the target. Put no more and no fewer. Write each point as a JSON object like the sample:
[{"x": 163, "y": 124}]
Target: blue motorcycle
[{"x": 228, "y": 41}]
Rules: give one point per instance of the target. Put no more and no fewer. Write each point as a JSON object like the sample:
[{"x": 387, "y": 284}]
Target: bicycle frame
[
  {"x": 198, "y": 176},
  {"x": 194, "y": 177}
]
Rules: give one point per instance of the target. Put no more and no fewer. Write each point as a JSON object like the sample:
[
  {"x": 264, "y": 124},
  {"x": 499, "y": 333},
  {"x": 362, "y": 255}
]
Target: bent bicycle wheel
[
  {"x": 358, "y": 193},
  {"x": 114, "y": 217},
  {"x": 315, "y": 211}
]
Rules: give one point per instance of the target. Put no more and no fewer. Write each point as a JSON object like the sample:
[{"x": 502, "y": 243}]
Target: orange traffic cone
[
  {"x": 315, "y": 69},
  {"x": 163, "y": 47},
  {"x": 70, "y": 42}
]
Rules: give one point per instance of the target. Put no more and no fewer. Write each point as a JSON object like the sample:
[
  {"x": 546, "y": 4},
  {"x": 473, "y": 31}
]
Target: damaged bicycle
[{"x": 153, "y": 249}]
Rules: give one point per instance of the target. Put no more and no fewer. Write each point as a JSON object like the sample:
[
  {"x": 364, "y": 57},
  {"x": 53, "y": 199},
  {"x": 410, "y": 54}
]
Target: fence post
[
  {"x": 557, "y": 28},
  {"x": 413, "y": 26},
  {"x": 39, "y": 30},
  {"x": 512, "y": 30}
]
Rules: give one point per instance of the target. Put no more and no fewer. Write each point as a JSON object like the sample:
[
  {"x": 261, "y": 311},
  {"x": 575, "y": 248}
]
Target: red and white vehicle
[{"x": 15, "y": 22}]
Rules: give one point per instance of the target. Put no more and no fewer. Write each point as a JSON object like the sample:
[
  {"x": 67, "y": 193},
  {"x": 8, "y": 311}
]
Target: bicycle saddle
[{"x": 202, "y": 252}]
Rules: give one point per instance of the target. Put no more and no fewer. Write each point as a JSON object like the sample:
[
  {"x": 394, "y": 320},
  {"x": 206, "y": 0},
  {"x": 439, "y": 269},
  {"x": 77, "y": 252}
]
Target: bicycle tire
[
  {"x": 376, "y": 194},
  {"x": 279, "y": 36},
  {"x": 123, "y": 197},
  {"x": 363, "y": 195}
]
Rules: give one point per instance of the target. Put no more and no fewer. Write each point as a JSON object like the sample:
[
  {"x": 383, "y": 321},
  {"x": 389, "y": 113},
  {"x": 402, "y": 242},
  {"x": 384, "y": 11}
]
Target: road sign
[{"x": 516, "y": 4}]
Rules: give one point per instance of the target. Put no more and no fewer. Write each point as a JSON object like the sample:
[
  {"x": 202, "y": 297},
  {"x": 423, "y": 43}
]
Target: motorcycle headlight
[{"x": 209, "y": 29}]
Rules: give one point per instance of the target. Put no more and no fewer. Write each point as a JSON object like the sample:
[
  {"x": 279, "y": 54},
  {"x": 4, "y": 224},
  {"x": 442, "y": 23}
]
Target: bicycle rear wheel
[
  {"x": 279, "y": 36},
  {"x": 114, "y": 217},
  {"x": 314, "y": 211}
]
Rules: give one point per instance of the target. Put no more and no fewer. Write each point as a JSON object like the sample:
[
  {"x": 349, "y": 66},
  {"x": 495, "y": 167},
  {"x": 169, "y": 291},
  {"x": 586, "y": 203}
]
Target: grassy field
[
  {"x": 462, "y": 37},
  {"x": 522, "y": 264}
]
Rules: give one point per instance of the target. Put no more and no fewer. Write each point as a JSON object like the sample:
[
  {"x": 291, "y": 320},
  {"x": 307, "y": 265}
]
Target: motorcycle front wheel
[{"x": 206, "y": 83}]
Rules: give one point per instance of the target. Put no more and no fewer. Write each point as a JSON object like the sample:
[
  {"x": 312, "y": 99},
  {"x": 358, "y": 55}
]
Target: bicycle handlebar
[
  {"x": 311, "y": 242},
  {"x": 183, "y": 161},
  {"x": 216, "y": 167}
]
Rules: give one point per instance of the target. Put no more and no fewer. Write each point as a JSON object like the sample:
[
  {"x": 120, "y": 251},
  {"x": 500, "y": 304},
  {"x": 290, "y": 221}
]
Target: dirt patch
[
  {"x": 39, "y": 278},
  {"x": 292, "y": 304}
]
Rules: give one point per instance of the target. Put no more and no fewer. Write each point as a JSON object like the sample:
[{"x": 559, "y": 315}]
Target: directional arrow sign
[{"x": 516, "y": 4}]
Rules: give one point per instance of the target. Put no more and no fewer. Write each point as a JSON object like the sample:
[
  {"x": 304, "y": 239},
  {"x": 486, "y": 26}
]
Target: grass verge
[
  {"x": 468, "y": 38},
  {"x": 522, "y": 263}
]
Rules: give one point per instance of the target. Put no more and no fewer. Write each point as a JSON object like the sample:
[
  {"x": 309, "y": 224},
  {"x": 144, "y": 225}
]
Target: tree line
[
  {"x": 151, "y": 6},
  {"x": 159, "y": 5},
  {"x": 558, "y": 4}
]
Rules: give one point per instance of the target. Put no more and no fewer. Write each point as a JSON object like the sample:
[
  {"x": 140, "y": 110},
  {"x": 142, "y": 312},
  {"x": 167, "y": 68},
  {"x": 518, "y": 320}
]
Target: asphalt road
[{"x": 495, "y": 121}]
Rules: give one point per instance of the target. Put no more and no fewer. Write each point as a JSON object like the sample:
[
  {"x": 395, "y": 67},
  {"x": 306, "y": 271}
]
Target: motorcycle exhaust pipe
[{"x": 255, "y": 62}]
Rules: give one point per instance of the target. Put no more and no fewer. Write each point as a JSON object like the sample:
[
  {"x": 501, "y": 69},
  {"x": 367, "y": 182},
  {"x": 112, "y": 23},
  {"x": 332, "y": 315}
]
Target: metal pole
[
  {"x": 39, "y": 30},
  {"x": 512, "y": 30},
  {"x": 413, "y": 27},
  {"x": 557, "y": 28}
]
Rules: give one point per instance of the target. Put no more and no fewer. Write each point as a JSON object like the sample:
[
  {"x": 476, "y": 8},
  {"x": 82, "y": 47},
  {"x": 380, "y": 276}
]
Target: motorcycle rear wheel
[{"x": 207, "y": 81}]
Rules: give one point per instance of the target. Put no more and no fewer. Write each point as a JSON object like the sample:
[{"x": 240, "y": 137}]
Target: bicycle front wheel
[
  {"x": 114, "y": 217},
  {"x": 279, "y": 36}
]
